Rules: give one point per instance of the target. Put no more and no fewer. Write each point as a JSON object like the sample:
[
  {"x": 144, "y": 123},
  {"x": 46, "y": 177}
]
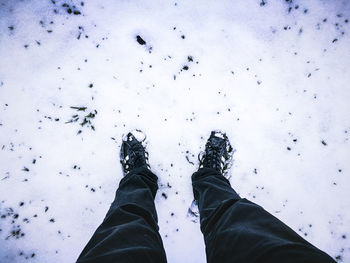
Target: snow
[{"x": 274, "y": 75}]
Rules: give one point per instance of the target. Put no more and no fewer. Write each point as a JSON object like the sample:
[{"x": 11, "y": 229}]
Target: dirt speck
[{"x": 140, "y": 40}]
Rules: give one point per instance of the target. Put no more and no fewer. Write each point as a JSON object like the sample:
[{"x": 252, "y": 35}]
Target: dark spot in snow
[
  {"x": 183, "y": 37},
  {"x": 185, "y": 67},
  {"x": 324, "y": 143},
  {"x": 52, "y": 220},
  {"x": 164, "y": 195},
  {"x": 288, "y": 148},
  {"x": 16, "y": 233},
  {"x": 335, "y": 40},
  {"x": 339, "y": 258},
  {"x": 140, "y": 40},
  {"x": 79, "y": 108}
]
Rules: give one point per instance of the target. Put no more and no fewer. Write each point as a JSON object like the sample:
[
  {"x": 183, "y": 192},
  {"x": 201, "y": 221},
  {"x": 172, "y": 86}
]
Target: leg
[
  {"x": 129, "y": 233},
  {"x": 237, "y": 230}
]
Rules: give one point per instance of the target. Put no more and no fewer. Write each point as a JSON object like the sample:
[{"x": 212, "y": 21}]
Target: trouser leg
[
  {"x": 129, "y": 232},
  {"x": 237, "y": 230}
]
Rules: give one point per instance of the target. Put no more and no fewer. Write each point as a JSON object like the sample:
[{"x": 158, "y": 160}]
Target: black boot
[
  {"x": 132, "y": 153},
  {"x": 218, "y": 153}
]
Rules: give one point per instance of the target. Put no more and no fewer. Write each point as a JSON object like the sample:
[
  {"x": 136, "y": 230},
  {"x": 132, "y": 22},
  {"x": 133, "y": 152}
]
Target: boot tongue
[
  {"x": 140, "y": 162},
  {"x": 139, "y": 155},
  {"x": 216, "y": 142}
]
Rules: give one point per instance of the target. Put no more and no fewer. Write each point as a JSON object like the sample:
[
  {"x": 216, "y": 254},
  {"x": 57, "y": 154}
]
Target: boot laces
[
  {"x": 212, "y": 158},
  {"x": 137, "y": 156}
]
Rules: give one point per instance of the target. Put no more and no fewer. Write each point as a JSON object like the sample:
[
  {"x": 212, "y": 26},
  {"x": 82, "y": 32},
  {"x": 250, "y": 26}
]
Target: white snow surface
[{"x": 273, "y": 74}]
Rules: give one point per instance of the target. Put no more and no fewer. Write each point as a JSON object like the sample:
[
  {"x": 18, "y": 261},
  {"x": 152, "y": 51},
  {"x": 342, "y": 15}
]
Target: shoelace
[
  {"x": 136, "y": 158},
  {"x": 212, "y": 158},
  {"x": 215, "y": 157}
]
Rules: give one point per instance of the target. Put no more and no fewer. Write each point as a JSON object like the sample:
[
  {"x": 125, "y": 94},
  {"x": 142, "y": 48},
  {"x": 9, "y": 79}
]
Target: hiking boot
[
  {"x": 218, "y": 153},
  {"x": 132, "y": 153}
]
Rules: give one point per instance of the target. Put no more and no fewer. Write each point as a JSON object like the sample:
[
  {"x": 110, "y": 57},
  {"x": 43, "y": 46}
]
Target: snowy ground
[{"x": 273, "y": 74}]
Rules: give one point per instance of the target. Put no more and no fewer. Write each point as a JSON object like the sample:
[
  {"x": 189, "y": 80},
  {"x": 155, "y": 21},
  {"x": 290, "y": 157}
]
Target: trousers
[{"x": 234, "y": 229}]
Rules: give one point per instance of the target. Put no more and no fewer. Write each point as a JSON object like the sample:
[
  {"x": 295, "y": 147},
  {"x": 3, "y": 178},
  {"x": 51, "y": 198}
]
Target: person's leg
[
  {"x": 129, "y": 232},
  {"x": 237, "y": 230}
]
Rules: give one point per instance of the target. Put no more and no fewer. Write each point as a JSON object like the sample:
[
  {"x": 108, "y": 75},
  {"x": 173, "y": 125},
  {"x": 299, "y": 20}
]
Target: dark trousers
[{"x": 234, "y": 229}]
